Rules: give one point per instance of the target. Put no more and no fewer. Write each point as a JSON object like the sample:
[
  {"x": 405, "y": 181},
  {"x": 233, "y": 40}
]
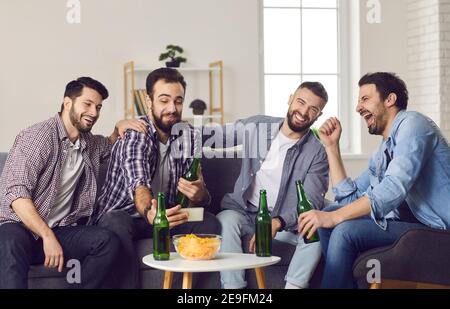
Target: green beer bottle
[
  {"x": 161, "y": 233},
  {"x": 263, "y": 227},
  {"x": 304, "y": 205},
  {"x": 191, "y": 175},
  {"x": 315, "y": 132}
]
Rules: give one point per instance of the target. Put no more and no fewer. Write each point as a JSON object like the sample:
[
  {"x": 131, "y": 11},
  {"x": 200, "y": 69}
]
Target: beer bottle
[
  {"x": 315, "y": 132},
  {"x": 191, "y": 175},
  {"x": 304, "y": 205},
  {"x": 263, "y": 227},
  {"x": 161, "y": 233}
]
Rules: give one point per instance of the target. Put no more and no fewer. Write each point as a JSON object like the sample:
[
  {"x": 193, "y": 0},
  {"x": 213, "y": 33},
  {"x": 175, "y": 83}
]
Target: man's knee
[
  {"x": 104, "y": 240},
  {"x": 229, "y": 218},
  {"x": 212, "y": 224},
  {"x": 12, "y": 237},
  {"x": 119, "y": 222},
  {"x": 344, "y": 233}
]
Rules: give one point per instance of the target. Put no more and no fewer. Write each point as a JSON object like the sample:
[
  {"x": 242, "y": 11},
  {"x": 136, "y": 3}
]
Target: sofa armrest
[{"x": 419, "y": 255}]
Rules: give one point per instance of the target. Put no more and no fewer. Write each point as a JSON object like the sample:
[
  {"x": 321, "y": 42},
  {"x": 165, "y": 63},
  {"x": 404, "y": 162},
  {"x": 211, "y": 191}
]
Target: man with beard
[
  {"x": 143, "y": 165},
  {"x": 276, "y": 153},
  {"x": 49, "y": 183},
  {"x": 407, "y": 184}
]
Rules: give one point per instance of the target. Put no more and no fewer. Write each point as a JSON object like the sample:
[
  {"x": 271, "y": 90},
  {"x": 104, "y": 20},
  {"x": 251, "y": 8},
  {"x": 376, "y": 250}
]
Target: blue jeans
[
  {"x": 237, "y": 226},
  {"x": 342, "y": 244},
  {"x": 94, "y": 247}
]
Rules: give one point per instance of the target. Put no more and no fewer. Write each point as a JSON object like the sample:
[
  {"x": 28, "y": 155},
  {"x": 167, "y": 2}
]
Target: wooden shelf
[{"x": 215, "y": 108}]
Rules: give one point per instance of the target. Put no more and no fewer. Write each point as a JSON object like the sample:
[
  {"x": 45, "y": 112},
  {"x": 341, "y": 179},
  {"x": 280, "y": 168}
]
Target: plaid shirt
[
  {"x": 134, "y": 162},
  {"x": 33, "y": 170}
]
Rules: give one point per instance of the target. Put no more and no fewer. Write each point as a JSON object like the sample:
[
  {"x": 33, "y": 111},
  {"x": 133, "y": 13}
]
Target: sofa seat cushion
[
  {"x": 39, "y": 271},
  {"x": 419, "y": 255}
]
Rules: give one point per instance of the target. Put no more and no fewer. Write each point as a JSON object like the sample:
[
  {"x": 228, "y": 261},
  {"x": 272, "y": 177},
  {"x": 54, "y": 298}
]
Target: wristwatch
[{"x": 146, "y": 210}]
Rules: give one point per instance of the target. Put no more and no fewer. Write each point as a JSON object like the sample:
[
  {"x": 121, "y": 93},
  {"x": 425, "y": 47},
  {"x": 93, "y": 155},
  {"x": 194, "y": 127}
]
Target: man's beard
[
  {"x": 377, "y": 126},
  {"x": 166, "y": 128},
  {"x": 293, "y": 127},
  {"x": 77, "y": 122}
]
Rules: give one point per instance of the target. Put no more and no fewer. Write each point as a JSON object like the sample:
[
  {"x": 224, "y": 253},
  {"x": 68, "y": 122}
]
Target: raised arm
[{"x": 330, "y": 134}]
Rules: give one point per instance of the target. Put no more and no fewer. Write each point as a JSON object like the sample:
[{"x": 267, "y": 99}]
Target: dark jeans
[
  {"x": 95, "y": 248},
  {"x": 130, "y": 229}
]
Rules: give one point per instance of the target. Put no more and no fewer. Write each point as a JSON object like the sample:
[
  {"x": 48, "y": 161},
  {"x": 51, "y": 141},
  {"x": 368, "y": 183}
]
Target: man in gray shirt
[{"x": 276, "y": 153}]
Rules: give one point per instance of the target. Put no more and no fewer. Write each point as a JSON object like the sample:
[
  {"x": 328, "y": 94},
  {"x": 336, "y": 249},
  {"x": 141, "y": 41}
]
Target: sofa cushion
[
  {"x": 419, "y": 255},
  {"x": 219, "y": 175}
]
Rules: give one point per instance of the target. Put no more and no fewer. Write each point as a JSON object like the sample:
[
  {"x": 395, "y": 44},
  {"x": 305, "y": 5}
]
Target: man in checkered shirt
[
  {"x": 49, "y": 183},
  {"x": 144, "y": 164}
]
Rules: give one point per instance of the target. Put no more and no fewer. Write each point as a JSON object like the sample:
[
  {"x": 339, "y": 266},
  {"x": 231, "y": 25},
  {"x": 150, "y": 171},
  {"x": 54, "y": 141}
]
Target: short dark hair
[
  {"x": 387, "y": 83},
  {"x": 317, "y": 88},
  {"x": 169, "y": 75},
  {"x": 75, "y": 88}
]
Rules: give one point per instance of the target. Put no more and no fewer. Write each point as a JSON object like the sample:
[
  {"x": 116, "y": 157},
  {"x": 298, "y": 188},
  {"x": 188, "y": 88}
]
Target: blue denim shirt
[
  {"x": 305, "y": 161},
  {"x": 419, "y": 174}
]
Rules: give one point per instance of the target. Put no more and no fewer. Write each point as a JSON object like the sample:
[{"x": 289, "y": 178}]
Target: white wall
[
  {"x": 383, "y": 48},
  {"x": 40, "y": 52},
  {"x": 429, "y": 59}
]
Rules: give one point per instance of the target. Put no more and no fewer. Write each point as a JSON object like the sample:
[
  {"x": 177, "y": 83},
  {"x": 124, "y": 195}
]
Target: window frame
[{"x": 347, "y": 70}]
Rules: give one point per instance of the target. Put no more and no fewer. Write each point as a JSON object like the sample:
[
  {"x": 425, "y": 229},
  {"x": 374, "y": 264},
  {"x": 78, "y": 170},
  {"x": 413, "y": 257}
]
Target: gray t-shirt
[
  {"x": 160, "y": 181},
  {"x": 71, "y": 171}
]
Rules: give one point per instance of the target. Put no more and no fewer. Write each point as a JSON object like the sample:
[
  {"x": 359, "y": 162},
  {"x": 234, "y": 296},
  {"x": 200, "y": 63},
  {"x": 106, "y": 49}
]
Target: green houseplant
[{"x": 173, "y": 52}]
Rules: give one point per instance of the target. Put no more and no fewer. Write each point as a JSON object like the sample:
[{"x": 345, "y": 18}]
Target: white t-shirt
[
  {"x": 71, "y": 171},
  {"x": 269, "y": 175}
]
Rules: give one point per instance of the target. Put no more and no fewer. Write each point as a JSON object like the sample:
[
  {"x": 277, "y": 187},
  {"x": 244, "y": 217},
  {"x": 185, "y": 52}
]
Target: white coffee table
[{"x": 222, "y": 261}]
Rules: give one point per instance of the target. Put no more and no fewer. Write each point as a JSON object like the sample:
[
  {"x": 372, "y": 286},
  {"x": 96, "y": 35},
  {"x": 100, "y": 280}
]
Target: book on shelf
[
  {"x": 143, "y": 96},
  {"x": 140, "y": 102}
]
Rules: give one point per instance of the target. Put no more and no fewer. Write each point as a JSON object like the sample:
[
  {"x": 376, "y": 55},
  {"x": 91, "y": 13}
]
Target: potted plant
[
  {"x": 173, "y": 52},
  {"x": 198, "y": 107}
]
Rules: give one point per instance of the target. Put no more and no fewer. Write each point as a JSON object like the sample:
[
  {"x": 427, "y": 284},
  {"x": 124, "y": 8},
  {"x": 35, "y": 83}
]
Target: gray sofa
[{"x": 219, "y": 175}]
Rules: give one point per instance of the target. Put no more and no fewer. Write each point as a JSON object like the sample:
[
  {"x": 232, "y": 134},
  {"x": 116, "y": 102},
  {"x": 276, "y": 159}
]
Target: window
[{"x": 302, "y": 42}]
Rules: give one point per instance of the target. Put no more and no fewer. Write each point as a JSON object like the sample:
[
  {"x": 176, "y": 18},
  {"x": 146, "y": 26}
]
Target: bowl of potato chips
[{"x": 197, "y": 246}]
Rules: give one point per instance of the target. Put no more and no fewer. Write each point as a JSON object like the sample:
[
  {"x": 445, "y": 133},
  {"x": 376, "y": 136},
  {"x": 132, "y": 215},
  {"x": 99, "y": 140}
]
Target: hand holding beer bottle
[
  {"x": 303, "y": 206},
  {"x": 191, "y": 175}
]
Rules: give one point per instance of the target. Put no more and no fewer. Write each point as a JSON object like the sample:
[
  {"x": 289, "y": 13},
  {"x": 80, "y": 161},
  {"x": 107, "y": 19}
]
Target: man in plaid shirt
[
  {"x": 144, "y": 164},
  {"x": 49, "y": 183}
]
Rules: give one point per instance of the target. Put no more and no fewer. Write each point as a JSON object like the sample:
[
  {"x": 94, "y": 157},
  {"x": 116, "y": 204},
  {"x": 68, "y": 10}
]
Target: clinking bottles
[
  {"x": 304, "y": 205},
  {"x": 263, "y": 227},
  {"x": 191, "y": 175},
  {"x": 161, "y": 232}
]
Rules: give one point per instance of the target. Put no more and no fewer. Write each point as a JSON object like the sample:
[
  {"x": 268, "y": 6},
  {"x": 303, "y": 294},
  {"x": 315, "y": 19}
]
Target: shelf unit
[{"x": 215, "y": 108}]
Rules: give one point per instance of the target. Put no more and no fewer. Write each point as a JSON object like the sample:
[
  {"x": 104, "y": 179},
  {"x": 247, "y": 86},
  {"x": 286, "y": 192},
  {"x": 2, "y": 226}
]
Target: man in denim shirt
[
  {"x": 276, "y": 153},
  {"x": 409, "y": 174}
]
